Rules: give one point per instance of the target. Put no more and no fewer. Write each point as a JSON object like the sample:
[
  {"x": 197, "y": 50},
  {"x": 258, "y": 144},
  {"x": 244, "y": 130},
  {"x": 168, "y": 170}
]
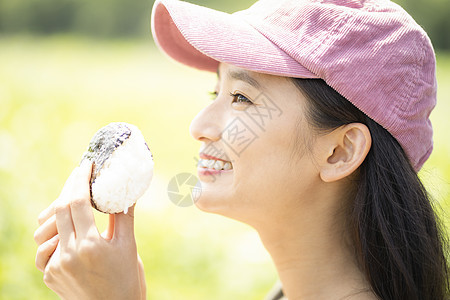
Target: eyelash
[{"x": 235, "y": 96}]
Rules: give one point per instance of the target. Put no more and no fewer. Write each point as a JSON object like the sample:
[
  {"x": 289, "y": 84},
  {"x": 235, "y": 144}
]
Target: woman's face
[{"x": 255, "y": 158}]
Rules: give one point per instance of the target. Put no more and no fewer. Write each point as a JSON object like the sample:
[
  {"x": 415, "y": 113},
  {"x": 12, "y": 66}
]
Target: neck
[{"x": 312, "y": 254}]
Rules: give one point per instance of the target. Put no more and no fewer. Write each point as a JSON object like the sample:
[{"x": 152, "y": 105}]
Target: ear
[{"x": 347, "y": 147}]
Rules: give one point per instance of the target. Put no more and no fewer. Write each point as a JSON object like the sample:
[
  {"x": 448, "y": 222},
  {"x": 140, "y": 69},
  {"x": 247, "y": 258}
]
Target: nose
[{"x": 206, "y": 126}]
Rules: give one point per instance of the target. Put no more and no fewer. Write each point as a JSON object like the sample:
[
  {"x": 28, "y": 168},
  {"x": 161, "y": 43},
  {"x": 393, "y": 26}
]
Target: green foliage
[{"x": 106, "y": 18}]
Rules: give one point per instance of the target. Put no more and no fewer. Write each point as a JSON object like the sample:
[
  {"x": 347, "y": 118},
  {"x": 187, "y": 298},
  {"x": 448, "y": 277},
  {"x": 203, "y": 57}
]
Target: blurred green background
[{"x": 69, "y": 67}]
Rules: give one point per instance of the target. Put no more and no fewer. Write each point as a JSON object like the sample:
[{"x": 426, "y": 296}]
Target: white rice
[{"x": 125, "y": 176}]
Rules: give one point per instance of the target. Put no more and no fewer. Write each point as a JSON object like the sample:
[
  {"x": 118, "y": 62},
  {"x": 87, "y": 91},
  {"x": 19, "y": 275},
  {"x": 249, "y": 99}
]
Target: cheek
[
  {"x": 278, "y": 166},
  {"x": 282, "y": 189},
  {"x": 267, "y": 170}
]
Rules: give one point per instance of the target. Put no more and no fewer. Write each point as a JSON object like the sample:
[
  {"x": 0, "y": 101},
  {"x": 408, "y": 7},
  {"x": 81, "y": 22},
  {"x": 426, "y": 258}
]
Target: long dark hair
[{"x": 399, "y": 242}]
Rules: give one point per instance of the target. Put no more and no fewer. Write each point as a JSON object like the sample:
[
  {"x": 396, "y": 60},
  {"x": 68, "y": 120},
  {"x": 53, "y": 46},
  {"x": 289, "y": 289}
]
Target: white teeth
[
  {"x": 210, "y": 163},
  {"x": 218, "y": 165},
  {"x": 215, "y": 164},
  {"x": 227, "y": 166}
]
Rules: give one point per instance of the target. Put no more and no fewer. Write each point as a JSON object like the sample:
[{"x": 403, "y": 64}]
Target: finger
[
  {"x": 64, "y": 225},
  {"x": 50, "y": 211},
  {"x": 45, "y": 251},
  {"x": 80, "y": 204},
  {"x": 46, "y": 231},
  {"x": 68, "y": 185},
  {"x": 142, "y": 278},
  {"x": 109, "y": 232},
  {"x": 124, "y": 225},
  {"x": 46, "y": 213}
]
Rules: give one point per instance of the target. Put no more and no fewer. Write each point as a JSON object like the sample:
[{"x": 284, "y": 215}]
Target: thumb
[
  {"x": 124, "y": 225},
  {"x": 109, "y": 232}
]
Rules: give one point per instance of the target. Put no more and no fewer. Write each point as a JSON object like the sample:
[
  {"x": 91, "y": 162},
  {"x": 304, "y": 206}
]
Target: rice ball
[{"x": 122, "y": 167}]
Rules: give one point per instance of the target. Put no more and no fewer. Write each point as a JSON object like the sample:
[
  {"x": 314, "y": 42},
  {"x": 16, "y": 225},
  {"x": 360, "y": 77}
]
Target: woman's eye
[{"x": 239, "y": 98}]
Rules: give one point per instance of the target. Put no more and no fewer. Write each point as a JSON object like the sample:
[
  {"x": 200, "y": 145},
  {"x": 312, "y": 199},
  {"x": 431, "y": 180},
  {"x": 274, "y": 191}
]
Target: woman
[{"x": 317, "y": 131}]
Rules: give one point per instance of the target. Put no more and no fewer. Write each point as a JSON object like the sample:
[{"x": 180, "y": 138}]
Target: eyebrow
[{"x": 242, "y": 76}]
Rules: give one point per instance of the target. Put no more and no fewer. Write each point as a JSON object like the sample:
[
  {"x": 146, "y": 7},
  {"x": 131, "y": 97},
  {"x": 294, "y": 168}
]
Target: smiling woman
[{"x": 319, "y": 125}]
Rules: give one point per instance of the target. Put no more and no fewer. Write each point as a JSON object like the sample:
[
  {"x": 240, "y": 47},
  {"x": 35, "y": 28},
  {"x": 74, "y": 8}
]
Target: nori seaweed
[{"x": 102, "y": 145}]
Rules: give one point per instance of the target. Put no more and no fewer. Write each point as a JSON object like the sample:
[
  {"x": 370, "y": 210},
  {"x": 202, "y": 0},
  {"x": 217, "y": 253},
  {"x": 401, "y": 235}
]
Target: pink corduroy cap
[{"x": 370, "y": 51}]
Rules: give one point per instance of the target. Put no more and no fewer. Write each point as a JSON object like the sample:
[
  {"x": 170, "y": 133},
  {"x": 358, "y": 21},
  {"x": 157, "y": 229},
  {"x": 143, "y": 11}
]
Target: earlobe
[{"x": 347, "y": 148}]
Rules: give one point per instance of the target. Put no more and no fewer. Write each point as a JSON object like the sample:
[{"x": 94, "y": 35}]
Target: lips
[{"x": 208, "y": 156}]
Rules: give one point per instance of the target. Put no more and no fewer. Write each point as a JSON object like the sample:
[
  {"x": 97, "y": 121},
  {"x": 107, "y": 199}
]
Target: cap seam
[{"x": 345, "y": 16}]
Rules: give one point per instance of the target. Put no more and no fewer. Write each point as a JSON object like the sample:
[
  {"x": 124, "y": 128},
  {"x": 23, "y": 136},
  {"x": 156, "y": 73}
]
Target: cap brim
[{"x": 201, "y": 37}]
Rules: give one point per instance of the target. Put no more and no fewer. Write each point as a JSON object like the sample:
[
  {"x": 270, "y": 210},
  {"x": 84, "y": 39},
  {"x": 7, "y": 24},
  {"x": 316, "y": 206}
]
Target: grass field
[{"x": 56, "y": 92}]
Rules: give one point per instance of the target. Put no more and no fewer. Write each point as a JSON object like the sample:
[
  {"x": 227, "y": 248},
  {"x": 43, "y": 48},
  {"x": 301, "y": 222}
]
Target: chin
[
  {"x": 230, "y": 207},
  {"x": 209, "y": 202}
]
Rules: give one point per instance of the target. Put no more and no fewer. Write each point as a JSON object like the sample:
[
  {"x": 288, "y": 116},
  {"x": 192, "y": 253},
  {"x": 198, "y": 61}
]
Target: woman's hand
[{"x": 78, "y": 262}]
